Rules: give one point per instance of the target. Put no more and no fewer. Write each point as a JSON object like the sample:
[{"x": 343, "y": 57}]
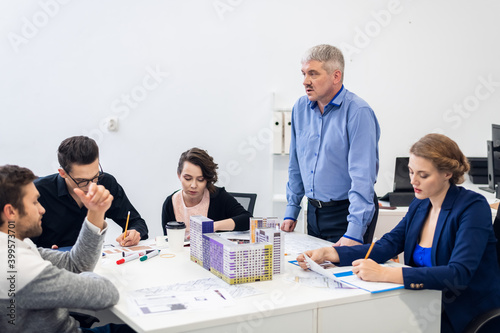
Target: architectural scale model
[
  {"x": 235, "y": 263},
  {"x": 277, "y": 238},
  {"x": 262, "y": 222},
  {"x": 199, "y": 225}
]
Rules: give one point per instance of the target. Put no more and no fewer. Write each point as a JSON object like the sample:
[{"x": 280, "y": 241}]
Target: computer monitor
[
  {"x": 402, "y": 182},
  {"x": 403, "y": 192},
  {"x": 493, "y": 149}
]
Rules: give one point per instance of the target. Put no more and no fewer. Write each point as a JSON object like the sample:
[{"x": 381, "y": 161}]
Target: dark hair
[
  {"x": 444, "y": 154},
  {"x": 79, "y": 150},
  {"x": 12, "y": 180},
  {"x": 200, "y": 158}
]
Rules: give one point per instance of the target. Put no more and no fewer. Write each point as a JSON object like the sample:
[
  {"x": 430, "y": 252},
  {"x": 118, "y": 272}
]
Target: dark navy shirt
[{"x": 63, "y": 218}]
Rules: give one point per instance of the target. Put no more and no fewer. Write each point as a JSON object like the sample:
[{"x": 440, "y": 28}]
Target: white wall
[{"x": 221, "y": 68}]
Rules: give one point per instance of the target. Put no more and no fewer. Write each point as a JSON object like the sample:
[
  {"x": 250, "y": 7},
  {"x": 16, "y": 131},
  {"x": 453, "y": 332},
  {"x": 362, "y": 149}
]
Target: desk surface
[{"x": 282, "y": 304}]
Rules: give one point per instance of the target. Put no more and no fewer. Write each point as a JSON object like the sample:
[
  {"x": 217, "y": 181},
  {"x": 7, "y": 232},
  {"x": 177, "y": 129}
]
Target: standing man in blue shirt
[{"x": 333, "y": 153}]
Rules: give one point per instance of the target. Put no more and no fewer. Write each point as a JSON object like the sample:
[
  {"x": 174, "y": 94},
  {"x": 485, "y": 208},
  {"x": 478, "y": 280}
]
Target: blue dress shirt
[{"x": 334, "y": 156}]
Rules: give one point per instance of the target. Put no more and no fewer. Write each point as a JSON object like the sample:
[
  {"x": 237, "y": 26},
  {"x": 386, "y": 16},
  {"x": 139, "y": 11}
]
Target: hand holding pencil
[
  {"x": 129, "y": 237},
  {"x": 367, "y": 269}
]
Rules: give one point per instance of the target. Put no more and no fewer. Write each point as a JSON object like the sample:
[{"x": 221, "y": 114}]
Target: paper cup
[{"x": 175, "y": 232}]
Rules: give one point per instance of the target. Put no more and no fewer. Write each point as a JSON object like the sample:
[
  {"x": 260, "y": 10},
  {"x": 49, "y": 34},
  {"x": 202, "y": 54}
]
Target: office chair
[
  {"x": 247, "y": 200},
  {"x": 370, "y": 231},
  {"x": 489, "y": 321}
]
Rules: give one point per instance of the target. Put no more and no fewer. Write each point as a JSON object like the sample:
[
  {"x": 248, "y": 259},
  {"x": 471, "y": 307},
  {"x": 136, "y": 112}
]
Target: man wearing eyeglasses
[{"x": 79, "y": 160}]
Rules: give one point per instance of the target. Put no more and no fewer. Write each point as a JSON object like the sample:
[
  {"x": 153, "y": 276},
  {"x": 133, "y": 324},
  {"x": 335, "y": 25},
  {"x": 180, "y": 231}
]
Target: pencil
[
  {"x": 370, "y": 249},
  {"x": 126, "y": 225}
]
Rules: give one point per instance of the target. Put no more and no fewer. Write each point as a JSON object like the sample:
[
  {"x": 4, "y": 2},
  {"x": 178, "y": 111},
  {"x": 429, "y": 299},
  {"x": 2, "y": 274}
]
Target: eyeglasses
[{"x": 85, "y": 182}]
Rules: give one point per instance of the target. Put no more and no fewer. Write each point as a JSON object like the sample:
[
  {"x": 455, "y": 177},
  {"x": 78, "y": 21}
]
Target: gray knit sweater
[{"x": 42, "y": 305}]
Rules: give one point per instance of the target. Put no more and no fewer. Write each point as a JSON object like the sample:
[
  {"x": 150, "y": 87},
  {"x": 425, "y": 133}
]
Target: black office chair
[
  {"x": 370, "y": 231},
  {"x": 489, "y": 321},
  {"x": 247, "y": 200}
]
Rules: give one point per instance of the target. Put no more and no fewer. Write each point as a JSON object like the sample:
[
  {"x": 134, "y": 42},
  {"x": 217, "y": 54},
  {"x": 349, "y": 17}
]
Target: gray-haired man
[{"x": 333, "y": 153}]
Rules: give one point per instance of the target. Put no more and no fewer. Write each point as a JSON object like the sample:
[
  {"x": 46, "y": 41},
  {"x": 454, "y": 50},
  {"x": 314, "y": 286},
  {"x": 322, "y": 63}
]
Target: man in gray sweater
[{"x": 37, "y": 286}]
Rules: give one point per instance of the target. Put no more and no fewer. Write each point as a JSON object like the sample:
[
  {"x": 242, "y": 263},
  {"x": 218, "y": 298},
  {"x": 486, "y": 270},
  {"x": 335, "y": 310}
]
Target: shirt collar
[
  {"x": 336, "y": 100},
  {"x": 62, "y": 188}
]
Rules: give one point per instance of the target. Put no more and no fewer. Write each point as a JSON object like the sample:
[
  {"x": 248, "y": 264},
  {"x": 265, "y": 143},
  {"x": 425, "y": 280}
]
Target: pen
[
  {"x": 127, "y": 259},
  {"x": 126, "y": 225},
  {"x": 370, "y": 249},
  {"x": 150, "y": 255}
]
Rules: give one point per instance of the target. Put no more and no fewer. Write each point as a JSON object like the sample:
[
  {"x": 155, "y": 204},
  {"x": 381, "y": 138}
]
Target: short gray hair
[{"x": 331, "y": 57}]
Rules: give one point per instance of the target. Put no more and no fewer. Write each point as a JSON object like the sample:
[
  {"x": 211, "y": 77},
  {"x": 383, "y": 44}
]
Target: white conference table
[{"x": 282, "y": 306}]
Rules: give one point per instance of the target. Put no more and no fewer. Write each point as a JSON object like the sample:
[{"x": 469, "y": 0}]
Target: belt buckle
[{"x": 319, "y": 204}]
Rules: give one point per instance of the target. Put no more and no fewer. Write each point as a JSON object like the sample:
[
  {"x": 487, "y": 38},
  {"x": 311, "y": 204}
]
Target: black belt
[{"x": 321, "y": 204}]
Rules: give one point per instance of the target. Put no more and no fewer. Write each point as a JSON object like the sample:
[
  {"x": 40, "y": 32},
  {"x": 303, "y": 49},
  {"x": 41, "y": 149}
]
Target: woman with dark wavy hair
[{"x": 197, "y": 173}]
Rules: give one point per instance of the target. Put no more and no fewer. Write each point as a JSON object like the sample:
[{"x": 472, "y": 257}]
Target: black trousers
[{"x": 330, "y": 223}]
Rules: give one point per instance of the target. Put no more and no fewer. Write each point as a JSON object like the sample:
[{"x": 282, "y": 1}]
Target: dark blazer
[
  {"x": 222, "y": 206},
  {"x": 464, "y": 258}
]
